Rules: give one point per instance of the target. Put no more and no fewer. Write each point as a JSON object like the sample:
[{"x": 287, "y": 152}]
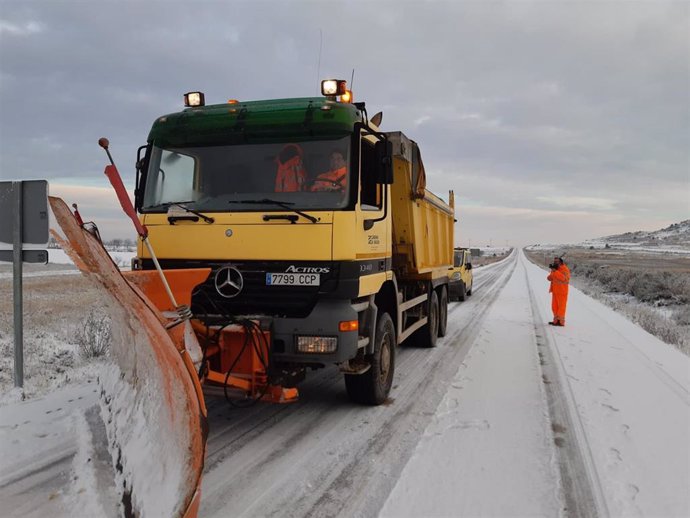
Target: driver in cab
[{"x": 335, "y": 179}]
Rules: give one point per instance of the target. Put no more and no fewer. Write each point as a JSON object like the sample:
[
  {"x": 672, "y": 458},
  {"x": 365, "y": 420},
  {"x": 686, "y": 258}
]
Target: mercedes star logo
[{"x": 229, "y": 282}]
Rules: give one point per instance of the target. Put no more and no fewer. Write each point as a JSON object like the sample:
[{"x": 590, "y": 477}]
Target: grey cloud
[{"x": 588, "y": 98}]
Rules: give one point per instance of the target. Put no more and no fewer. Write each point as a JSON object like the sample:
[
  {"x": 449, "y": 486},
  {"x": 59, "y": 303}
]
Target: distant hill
[{"x": 673, "y": 237}]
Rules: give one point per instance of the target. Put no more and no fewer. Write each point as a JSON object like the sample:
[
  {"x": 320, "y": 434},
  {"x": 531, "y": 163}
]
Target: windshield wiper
[
  {"x": 181, "y": 205},
  {"x": 284, "y": 204}
]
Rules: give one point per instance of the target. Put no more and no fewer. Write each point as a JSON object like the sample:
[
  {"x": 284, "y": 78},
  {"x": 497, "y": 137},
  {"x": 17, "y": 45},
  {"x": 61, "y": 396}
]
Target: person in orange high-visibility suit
[
  {"x": 291, "y": 175},
  {"x": 335, "y": 179},
  {"x": 560, "y": 278}
]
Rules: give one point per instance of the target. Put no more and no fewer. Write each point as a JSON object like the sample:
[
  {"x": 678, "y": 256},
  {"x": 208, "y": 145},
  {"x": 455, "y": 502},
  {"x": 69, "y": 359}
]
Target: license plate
[{"x": 293, "y": 279}]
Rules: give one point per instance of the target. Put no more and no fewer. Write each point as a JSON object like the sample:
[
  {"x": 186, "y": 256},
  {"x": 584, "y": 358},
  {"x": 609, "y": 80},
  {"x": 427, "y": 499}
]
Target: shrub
[
  {"x": 94, "y": 336},
  {"x": 682, "y": 316},
  {"x": 658, "y": 326}
]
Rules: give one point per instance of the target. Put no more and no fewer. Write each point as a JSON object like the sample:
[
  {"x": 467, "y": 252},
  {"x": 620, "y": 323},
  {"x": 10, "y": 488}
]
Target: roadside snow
[
  {"x": 633, "y": 397},
  {"x": 31, "y": 431},
  {"x": 38, "y": 439},
  {"x": 83, "y": 494},
  {"x": 51, "y": 361},
  {"x": 486, "y": 450},
  {"x": 152, "y": 456}
]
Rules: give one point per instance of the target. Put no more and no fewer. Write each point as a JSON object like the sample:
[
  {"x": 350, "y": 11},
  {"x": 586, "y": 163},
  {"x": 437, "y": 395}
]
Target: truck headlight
[{"x": 317, "y": 344}]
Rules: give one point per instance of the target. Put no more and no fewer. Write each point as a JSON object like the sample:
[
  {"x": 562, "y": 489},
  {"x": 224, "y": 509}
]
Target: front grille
[{"x": 256, "y": 297}]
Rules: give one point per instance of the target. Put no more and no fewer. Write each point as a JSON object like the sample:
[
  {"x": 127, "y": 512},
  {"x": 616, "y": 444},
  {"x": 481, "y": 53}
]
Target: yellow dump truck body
[{"x": 422, "y": 222}]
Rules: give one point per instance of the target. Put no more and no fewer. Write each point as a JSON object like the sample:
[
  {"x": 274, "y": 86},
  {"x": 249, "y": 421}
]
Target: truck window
[
  {"x": 221, "y": 177},
  {"x": 370, "y": 190},
  {"x": 174, "y": 180},
  {"x": 458, "y": 259}
]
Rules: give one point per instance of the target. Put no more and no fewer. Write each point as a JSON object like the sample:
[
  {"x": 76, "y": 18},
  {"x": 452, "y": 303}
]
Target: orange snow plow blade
[{"x": 157, "y": 417}]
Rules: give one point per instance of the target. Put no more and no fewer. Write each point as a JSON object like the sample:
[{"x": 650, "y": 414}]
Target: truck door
[{"x": 373, "y": 242}]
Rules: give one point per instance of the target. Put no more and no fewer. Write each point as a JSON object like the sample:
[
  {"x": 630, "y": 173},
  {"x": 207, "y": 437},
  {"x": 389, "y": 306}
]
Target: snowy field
[
  {"x": 507, "y": 416},
  {"x": 59, "y": 305},
  {"x": 58, "y": 258}
]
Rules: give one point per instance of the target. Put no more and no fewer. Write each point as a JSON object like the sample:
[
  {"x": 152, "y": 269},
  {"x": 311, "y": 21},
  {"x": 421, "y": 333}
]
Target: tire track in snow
[
  {"x": 334, "y": 501},
  {"x": 582, "y": 489}
]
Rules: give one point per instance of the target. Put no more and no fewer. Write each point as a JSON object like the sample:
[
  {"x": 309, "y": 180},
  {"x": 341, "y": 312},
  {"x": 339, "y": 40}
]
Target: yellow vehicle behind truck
[
  {"x": 460, "y": 275},
  {"x": 317, "y": 228}
]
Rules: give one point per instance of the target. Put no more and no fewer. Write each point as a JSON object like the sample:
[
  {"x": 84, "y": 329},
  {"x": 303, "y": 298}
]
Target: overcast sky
[{"x": 552, "y": 121}]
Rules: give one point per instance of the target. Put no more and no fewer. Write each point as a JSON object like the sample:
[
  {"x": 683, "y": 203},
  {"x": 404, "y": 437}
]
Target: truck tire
[
  {"x": 442, "y": 311},
  {"x": 373, "y": 387},
  {"x": 462, "y": 293},
  {"x": 469, "y": 292}
]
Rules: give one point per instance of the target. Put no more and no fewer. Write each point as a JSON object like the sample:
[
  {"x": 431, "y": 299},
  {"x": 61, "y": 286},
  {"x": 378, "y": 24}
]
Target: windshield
[{"x": 312, "y": 175}]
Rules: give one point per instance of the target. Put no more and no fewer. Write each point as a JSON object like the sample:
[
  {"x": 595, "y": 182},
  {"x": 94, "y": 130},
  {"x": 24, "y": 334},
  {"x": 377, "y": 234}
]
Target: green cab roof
[{"x": 299, "y": 118}]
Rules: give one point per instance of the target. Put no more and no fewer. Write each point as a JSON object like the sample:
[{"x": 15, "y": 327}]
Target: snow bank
[
  {"x": 83, "y": 494},
  {"x": 146, "y": 446}
]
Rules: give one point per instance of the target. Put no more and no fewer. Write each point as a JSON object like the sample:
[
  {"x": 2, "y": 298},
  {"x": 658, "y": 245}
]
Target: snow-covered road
[
  {"x": 507, "y": 416},
  {"x": 588, "y": 420}
]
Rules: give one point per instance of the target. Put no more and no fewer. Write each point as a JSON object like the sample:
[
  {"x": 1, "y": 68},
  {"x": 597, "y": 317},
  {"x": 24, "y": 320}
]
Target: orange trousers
[{"x": 558, "y": 304}]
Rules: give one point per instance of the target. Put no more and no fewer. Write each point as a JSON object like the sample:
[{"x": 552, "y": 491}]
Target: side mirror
[
  {"x": 384, "y": 161},
  {"x": 469, "y": 266},
  {"x": 142, "y": 165}
]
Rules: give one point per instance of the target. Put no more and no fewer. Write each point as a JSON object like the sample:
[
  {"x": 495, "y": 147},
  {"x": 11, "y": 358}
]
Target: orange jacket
[
  {"x": 291, "y": 175},
  {"x": 334, "y": 180},
  {"x": 559, "y": 280}
]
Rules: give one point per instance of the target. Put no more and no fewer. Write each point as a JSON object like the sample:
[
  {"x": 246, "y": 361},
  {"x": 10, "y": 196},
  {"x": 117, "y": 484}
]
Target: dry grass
[
  {"x": 49, "y": 300},
  {"x": 56, "y": 310}
]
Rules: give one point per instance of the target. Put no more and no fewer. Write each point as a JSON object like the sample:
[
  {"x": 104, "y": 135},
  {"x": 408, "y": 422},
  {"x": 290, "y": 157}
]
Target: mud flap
[{"x": 156, "y": 416}]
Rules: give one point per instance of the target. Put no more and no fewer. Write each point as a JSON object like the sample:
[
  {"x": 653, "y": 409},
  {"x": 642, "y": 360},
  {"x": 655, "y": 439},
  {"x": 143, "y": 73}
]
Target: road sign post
[
  {"x": 17, "y": 286},
  {"x": 25, "y": 205}
]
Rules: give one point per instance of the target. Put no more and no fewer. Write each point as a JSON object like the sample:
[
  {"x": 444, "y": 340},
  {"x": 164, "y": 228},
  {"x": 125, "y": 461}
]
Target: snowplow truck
[{"x": 319, "y": 241}]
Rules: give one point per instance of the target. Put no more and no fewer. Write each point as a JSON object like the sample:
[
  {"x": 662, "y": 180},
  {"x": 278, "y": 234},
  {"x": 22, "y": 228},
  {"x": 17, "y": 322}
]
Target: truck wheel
[
  {"x": 469, "y": 292},
  {"x": 442, "y": 312},
  {"x": 372, "y": 387},
  {"x": 462, "y": 294}
]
